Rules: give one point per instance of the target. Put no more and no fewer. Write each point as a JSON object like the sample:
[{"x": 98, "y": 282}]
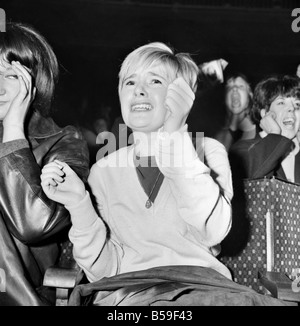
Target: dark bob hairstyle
[
  {"x": 23, "y": 43},
  {"x": 268, "y": 89}
]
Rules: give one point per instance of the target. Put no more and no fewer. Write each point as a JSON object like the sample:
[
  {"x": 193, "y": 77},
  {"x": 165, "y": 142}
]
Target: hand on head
[
  {"x": 20, "y": 104},
  {"x": 269, "y": 124}
]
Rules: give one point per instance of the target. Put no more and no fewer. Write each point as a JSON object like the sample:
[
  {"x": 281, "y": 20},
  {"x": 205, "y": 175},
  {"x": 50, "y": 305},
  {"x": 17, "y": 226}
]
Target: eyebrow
[{"x": 153, "y": 74}]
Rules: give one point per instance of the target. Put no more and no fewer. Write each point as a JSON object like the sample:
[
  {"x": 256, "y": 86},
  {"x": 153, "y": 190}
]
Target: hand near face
[
  {"x": 61, "y": 184},
  {"x": 269, "y": 124},
  {"x": 19, "y": 106},
  {"x": 179, "y": 101}
]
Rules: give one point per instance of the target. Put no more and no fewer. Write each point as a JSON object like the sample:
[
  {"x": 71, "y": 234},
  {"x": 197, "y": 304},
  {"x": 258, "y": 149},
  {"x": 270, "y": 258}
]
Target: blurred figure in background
[
  {"x": 94, "y": 124},
  {"x": 238, "y": 101}
]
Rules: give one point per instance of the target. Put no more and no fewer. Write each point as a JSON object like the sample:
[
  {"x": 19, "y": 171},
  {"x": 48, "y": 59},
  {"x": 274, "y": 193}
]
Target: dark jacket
[
  {"x": 31, "y": 225},
  {"x": 262, "y": 157}
]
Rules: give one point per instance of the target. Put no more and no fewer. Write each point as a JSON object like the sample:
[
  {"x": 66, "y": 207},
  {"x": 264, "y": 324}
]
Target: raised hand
[
  {"x": 179, "y": 101},
  {"x": 61, "y": 184},
  {"x": 269, "y": 124},
  {"x": 13, "y": 122}
]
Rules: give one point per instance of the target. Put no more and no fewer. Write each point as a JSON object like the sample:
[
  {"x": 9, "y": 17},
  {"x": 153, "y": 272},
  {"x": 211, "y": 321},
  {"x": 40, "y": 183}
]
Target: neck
[
  {"x": 144, "y": 143},
  {"x": 246, "y": 124}
]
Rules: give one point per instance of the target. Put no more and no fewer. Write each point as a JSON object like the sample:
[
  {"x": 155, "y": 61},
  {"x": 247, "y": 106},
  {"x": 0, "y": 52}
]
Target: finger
[
  {"x": 52, "y": 175},
  {"x": 64, "y": 166},
  {"x": 180, "y": 82},
  {"x": 49, "y": 182},
  {"x": 23, "y": 91},
  {"x": 53, "y": 164},
  {"x": 272, "y": 114},
  {"x": 53, "y": 169},
  {"x": 23, "y": 69},
  {"x": 172, "y": 103},
  {"x": 24, "y": 77},
  {"x": 179, "y": 97}
]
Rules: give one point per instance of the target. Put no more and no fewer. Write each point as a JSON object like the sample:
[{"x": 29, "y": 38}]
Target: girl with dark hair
[
  {"x": 275, "y": 149},
  {"x": 29, "y": 222}
]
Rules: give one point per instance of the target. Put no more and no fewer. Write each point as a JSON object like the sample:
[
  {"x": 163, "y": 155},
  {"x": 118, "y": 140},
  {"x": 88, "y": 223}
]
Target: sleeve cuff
[
  {"x": 12, "y": 146},
  {"x": 83, "y": 214}
]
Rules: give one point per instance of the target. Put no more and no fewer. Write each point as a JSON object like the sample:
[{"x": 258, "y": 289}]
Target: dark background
[{"x": 92, "y": 37}]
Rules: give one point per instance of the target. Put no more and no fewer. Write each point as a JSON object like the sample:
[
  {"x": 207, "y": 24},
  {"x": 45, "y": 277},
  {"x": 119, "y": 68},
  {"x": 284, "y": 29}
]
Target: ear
[{"x": 263, "y": 112}]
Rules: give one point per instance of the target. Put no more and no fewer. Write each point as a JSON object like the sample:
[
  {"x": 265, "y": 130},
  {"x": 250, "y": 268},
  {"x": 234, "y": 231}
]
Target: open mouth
[
  {"x": 289, "y": 122},
  {"x": 236, "y": 99},
  {"x": 141, "y": 107}
]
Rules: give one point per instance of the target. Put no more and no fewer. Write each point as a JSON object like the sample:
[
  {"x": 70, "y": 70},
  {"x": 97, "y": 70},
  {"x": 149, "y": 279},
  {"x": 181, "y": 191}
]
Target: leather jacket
[{"x": 31, "y": 225}]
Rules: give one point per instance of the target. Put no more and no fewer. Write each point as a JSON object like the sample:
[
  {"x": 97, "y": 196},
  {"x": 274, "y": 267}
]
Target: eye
[
  {"x": 297, "y": 105},
  {"x": 156, "y": 81},
  {"x": 11, "y": 76},
  {"x": 129, "y": 83}
]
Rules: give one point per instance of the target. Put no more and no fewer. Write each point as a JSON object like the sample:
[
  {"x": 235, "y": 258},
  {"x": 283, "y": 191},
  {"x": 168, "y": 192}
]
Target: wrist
[
  {"x": 13, "y": 132},
  {"x": 75, "y": 200}
]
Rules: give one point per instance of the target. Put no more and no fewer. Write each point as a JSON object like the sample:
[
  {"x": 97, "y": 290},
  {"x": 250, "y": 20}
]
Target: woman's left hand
[{"x": 179, "y": 101}]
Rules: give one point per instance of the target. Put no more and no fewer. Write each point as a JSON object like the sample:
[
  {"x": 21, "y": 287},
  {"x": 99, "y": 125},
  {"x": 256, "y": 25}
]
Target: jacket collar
[{"x": 39, "y": 126}]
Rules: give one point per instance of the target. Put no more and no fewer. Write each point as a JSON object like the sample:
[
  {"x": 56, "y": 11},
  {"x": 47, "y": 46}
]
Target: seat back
[
  {"x": 66, "y": 259},
  {"x": 273, "y": 211}
]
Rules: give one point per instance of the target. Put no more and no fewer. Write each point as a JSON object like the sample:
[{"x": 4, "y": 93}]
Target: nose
[
  {"x": 140, "y": 90},
  {"x": 291, "y": 107}
]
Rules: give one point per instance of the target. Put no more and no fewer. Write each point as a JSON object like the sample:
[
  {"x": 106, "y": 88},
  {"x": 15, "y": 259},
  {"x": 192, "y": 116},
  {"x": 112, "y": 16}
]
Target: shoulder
[
  {"x": 117, "y": 158},
  {"x": 214, "y": 150},
  {"x": 209, "y": 145},
  {"x": 72, "y": 131},
  {"x": 244, "y": 144},
  {"x": 213, "y": 143}
]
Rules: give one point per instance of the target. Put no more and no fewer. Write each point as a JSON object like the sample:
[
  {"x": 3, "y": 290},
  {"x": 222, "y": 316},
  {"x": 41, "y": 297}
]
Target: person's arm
[
  {"x": 262, "y": 157},
  {"x": 28, "y": 213},
  {"x": 93, "y": 249},
  {"x": 202, "y": 202}
]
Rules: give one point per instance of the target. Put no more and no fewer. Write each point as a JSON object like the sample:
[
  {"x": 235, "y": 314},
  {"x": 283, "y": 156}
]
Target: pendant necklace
[{"x": 148, "y": 202}]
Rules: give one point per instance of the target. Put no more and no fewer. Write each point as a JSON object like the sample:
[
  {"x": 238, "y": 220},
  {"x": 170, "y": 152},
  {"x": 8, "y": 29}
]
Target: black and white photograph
[{"x": 149, "y": 155}]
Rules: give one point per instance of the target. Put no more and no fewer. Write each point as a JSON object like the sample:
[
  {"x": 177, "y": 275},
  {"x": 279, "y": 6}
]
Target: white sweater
[{"x": 190, "y": 216}]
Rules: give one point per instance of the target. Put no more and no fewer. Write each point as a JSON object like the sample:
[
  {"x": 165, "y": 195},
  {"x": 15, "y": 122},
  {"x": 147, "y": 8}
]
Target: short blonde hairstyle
[{"x": 144, "y": 56}]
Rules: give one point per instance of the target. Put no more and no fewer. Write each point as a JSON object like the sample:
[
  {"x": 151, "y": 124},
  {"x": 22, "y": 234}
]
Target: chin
[{"x": 290, "y": 134}]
